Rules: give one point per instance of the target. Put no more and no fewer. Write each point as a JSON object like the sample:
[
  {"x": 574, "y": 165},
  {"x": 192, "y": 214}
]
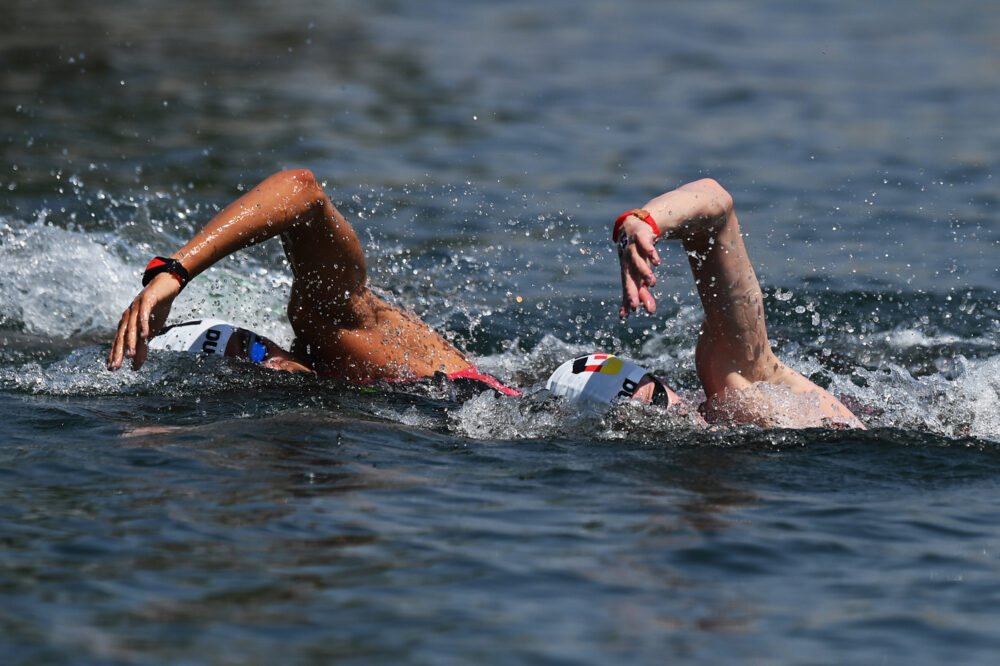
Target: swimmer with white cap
[
  {"x": 343, "y": 329},
  {"x": 220, "y": 338},
  {"x": 744, "y": 381},
  {"x": 600, "y": 379}
]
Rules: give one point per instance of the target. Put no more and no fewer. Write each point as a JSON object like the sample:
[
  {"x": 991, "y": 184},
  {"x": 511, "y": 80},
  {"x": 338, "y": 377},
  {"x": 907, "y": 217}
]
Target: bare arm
[
  {"x": 690, "y": 213},
  {"x": 323, "y": 248},
  {"x": 733, "y": 350}
]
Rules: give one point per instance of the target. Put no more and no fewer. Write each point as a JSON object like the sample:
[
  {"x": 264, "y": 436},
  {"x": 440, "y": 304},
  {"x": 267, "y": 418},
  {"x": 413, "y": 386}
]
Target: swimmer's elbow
[
  {"x": 719, "y": 203},
  {"x": 709, "y": 208},
  {"x": 299, "y": 177},
  {"x": 300, "y": 184}
]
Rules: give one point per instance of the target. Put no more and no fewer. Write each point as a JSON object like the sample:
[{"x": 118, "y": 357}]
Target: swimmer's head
[
  {"x": 603, "y": 378},
  {"x": 205, "y": 336},
  {"x": 217, "y": 337}
]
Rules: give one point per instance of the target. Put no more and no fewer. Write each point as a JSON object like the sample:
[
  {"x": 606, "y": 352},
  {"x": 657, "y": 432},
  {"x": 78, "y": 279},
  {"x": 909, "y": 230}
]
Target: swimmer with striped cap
[
  {"x": 600, "y": 379},
  {"x": 221, "y": 338}
]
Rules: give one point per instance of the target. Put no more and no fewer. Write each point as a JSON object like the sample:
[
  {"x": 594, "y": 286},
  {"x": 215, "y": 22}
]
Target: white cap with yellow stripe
[{"x": 598, "y": 378}]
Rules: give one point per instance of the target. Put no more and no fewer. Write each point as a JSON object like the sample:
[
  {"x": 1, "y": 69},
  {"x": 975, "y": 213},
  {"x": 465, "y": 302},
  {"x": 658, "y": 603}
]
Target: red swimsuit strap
[{"x": 492, "y": 382}]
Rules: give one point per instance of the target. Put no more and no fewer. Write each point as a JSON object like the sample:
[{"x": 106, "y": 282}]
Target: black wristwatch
[{"x": 166, "y": 265}]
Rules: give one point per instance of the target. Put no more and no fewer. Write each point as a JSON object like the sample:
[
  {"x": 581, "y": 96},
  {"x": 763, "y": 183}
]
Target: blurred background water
[{"x": 209, "y": 513}]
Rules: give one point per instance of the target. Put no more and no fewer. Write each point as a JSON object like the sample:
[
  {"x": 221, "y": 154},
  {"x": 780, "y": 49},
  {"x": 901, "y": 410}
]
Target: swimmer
[
  {"x": 744, "y": 381},
  {"x": 344, "y": 330}
]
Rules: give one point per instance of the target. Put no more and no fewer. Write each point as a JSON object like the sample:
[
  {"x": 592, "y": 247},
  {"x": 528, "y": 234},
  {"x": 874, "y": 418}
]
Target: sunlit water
[{"x": 207, "y": 512}]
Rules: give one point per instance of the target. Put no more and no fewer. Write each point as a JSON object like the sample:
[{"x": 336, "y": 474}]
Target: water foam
[
  {"x": 62, "y": 283},
  {"x": 58, "y": 283}
]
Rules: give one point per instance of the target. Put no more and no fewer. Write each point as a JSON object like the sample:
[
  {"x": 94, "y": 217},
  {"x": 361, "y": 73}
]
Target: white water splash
[
  {"x": 59, "y": 283},
  {"x": 904, "y": 338}
]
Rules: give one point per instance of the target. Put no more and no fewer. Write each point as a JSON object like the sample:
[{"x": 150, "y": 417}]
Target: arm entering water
[{"x": 323, "y": 249}]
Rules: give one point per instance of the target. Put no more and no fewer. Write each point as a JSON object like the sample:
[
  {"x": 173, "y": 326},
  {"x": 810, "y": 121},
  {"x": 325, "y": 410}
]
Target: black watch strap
[{"x": 166, "y": 265}]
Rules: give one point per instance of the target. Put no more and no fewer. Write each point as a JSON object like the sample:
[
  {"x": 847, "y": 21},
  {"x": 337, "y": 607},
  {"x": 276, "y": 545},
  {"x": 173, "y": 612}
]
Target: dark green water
[{"x": 210, "y": 513}]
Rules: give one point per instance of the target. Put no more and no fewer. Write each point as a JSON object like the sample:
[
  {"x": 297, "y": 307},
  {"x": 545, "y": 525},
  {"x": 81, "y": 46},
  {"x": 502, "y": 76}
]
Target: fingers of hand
[
  {"x": 647, "y": 299},
  {"x": 630, "y": 291},
  {"x": 124, "y": 342},
  {"x": 138, "y": 323},
  {"x": 140, "y": 354},
  {"x": 641, "y": 276},
  {"x": 144, "y": 321},
  {"x": 131, "y": 328},
  {"x": 115, "y": 355},
  {"x": 637, "y": 258},
  {"x": 641, "y": 260},
  {"x": 627, "y": 283},
  {"x": 644, "y": 242},
  {"x": 626, "y": 306},
  {"x": 639, "y": 282},
  {"x": 146, "y": 318},
  {"x": 642, "y": 279}
]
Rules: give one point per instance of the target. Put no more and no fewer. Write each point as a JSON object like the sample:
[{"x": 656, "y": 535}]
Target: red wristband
[{"x": 640, "y": 213}]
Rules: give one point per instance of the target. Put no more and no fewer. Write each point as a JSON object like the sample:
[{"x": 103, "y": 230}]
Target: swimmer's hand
[
  {"x": 636, "y": 258},
  {"x": 142, "y": 320}
]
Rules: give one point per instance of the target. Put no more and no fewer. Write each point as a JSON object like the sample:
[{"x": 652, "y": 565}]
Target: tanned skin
[{"x": 342, "y": 328}]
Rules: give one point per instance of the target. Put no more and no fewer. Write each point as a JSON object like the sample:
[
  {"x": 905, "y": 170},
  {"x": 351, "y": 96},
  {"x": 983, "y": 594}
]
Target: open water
[{"x": 211, "y": 513}]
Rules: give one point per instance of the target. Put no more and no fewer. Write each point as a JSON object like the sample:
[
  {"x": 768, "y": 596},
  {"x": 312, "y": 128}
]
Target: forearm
[
  {"x": 702, "y": 217},
  {"x": 269, "y": 209}
]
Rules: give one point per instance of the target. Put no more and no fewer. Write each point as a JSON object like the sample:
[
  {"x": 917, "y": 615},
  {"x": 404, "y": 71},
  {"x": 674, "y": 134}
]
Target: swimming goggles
[
  {"x": 660, "y": 396},
  {"x": 253, "y": 347}
]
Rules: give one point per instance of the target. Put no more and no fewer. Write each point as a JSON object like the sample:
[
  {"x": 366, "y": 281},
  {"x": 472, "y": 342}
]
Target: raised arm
[
  {"x": 287, "y": 202},
  {"x": 733, "y": 350},
  {"x": 323, "y": 249}
]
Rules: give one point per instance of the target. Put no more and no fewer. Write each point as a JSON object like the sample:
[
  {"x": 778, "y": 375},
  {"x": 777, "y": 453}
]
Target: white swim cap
[
  {"x": 598, "y": 378},
  {"x": 209, "y": 336}
]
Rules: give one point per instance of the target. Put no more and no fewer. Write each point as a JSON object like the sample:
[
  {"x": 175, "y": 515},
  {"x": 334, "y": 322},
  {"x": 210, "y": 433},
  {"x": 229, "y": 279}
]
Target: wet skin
[
  {"x": 733, "y": 355},
  {"x": 342, "y": 328}
]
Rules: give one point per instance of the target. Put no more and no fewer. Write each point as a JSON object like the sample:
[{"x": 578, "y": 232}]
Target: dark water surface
[{"x": 201, "y": 512}]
